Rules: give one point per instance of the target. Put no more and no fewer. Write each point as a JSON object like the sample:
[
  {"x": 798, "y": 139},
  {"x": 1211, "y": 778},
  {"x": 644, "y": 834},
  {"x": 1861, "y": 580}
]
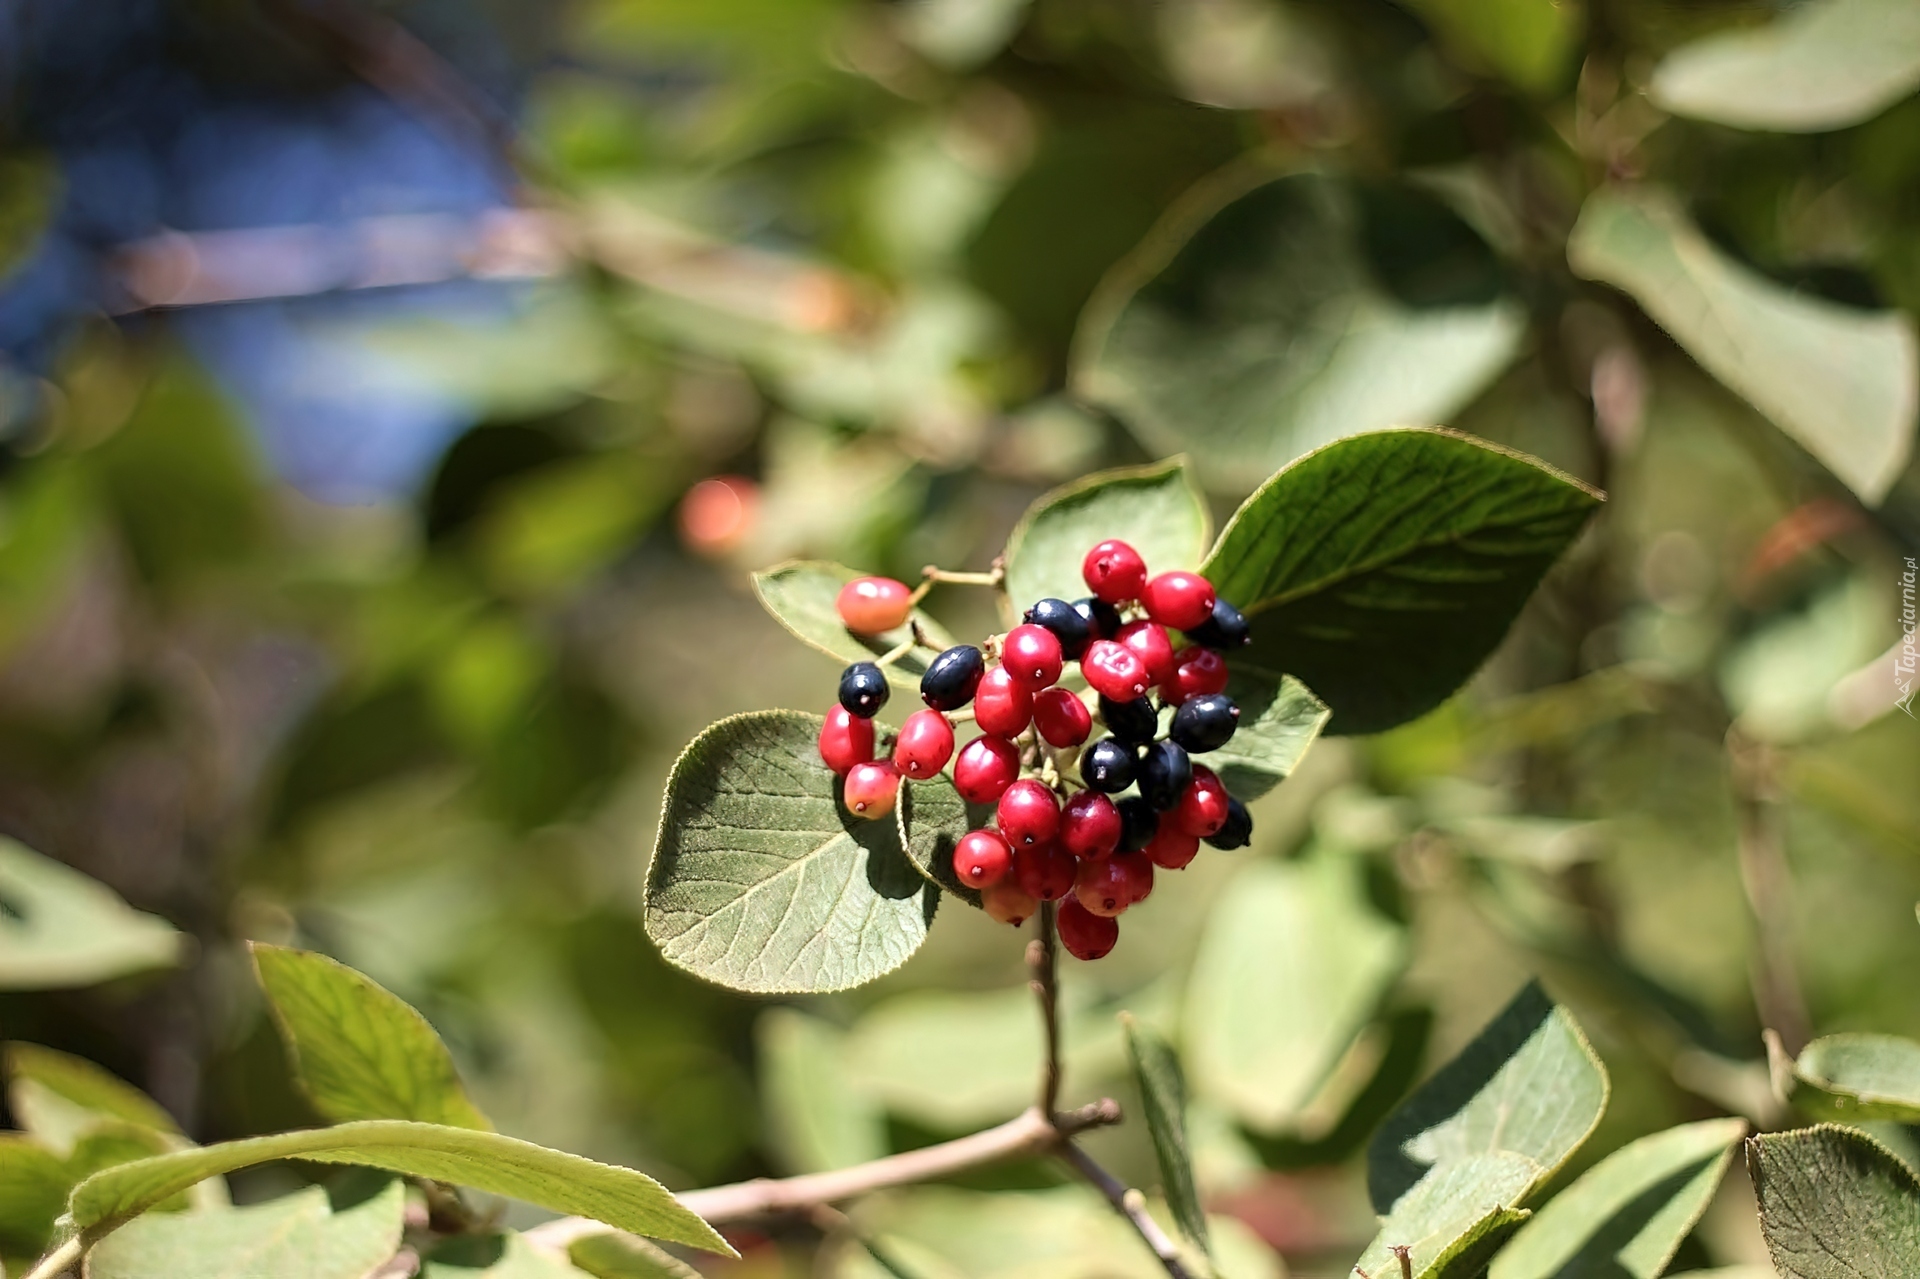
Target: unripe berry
[
  {"x": 1001, "y": 706},
  {"x": 1196, "y": 670},
  {"x": 1114, "y": 572},
  {"x": 1165, "y": 771},
  {"x": 1138, "y": 823},
  {"x": 1045, "y": 871},
  {"x": 1108, "y": 766},
  {"x": 870, "y": 605},
  {"x": 1061, "y": 717},
  {"x": 1205, "y": 723},
  {"x": 1171, "y": 847},
  {"x": 1031, "y": 655},
  {"x": 1085, "y": 934},
  {"x": 1202, "y": 809},
  {"x": 1028, "y": 815},
  {"x": 1114, "y": 670},
  {"x": 863, "y": 689},
  {"x": 845, "y": 740},
  {"x": 1226, "y": 629},
  {"x": 1134, "y": 722},
  {"x": 1149, "y": 642},
  {"x": 981, "y": 859},
  {"x": 1179, "y": 599},
  {"x": 986, "y": 767},
  {"x": 1103, "y": 619},
  {"x": 952, "y": 677},
  {"x": 1236, "y": 831},
  {"x": 870, "y": 790},
  {"x": 1090, "y": 826},
  {"x": 1009, "y": 903},
  {"x": 924, "y": 746},
  {"x": 1066, "y": 623}
]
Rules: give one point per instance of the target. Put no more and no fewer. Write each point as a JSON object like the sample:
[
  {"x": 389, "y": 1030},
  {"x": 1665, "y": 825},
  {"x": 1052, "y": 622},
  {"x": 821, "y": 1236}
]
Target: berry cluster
[{"x": 1093, "y": 846}]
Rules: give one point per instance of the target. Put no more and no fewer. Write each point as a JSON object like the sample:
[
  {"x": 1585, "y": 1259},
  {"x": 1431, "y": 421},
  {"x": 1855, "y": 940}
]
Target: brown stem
[
  {"x": 1041, "y": 962},
  {"x": 1131, "y": 1204},
  {"x": 1768, "y": 882}
]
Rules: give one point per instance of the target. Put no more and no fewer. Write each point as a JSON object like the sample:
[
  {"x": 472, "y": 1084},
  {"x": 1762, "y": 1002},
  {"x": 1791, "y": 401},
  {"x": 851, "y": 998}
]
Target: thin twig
[
  {"x": 58, "y": 1260},
  {"x": 933, "y": 573},
  {"x": 1131, "y": 1204},
  {"x": 1768, "y": 882},
  {"x": 898, "y": 651},
  {"x": 1041, "y": 961}
]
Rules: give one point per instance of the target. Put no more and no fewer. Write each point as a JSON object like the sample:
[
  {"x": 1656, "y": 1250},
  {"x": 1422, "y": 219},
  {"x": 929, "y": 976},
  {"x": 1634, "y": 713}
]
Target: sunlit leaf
[
  {"x": 503, "y": 1256},
  {"x": 1835, "y": 1204},
  {"x": 1817, "y": 66},
  {"x": 1530, "y": 42},
  {"x": 59, "y": 928},
  {"x": 1163, "y": 1098},
  {"x": 1628, "y": 1214},
  {"x": 1156, "y": 509},
  {"x": 1859, "y": 1077},
  {"x": 801, "y": 594},
  {"x": 1250, "y": 329},
  {"x": 1388, "y": 540},
  {"x": 818, "y": 1116},
  {"x": 762, "y": 881},
  {"x": 297, "y": 1234},
  {"x": 357, "y": 1050},
  {"x": 33, "y": 1190},
  {"x": 626, "y": 1257},
  {"x": 1279, "y": 719},
  {"x": 57, "y": 1097},
  {"x": 1843, "y": 382}
]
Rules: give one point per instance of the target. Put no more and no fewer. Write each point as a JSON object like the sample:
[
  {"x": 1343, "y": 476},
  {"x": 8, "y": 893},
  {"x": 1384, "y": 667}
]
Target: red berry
[
  {"x": 981, "y": 859},
  {"x": 1139, "y": 875},
  {"x": 871, "y": 789},
  {"x": 1149, "y": 640},
  {"x": 1028, "y": 815},
  {"x": 1002, "y": 705},
  {"x": 1009, "y": 903},
  {"x": 1202, "y": 809},
  {"x": 870, "y": 605},
  {"x": 1196, "y": 671},
  {"x": 1045, "y": 871},
  {"x": 986, "y": 767},
  {"x": 1179, "y": 599},
  {"x": 1085, "y": 934},
  {"x": 1170, "y": 847},
  {"x": 1032, "y": 654},
  {"x": 1109, "y": 886},
  {"x": 1114, "y": 670},
  {"x": 1090, "y": 826},
  {"x": 924, "y": 746},
  {"x": 845, "y": 740},
  {"x": 1062, "y": 718},
  {"x": 1114, "y": 572}
]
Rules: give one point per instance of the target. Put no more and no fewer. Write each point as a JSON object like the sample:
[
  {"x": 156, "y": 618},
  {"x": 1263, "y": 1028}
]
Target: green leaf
[
  {"x": 1293, "y": 963},
  {"x": 626, "y": 1257},
  {"x": 294, "y": 1235},
  {"x": 1527, "y": 41},
  {"x": 357, "y": 1050},
  {"x": 1163, "y": 1099},
  {"x": 1822, "y": 65},
  {"x": 1249, "y": 328},
  {"x": 1156, "y": 508},
  {"x": 1628, "y": 1214},
  {"x": 817, "y": 1117},
  {"x": 1395, "y": 538},
  {"x": 34, "y": 1182},
  {"x": 1452, "y": 1168},
  {"x": 1842, "y": 381},
  {"x": 59, "y": 928},
  {"x": 1858, "y": 1077},
  {"x": 762, "y": 882},
  {"x": 1835, "y": 1204},
  {"x": 58, "y": 1097},
  {"x": 507, "y": 1255},
  {"x": 801, "y": 593},
  {"x": 931, "y": 818},
  {"x": 563, "y": 1183},
  {"x": 1279, "y": 719}
]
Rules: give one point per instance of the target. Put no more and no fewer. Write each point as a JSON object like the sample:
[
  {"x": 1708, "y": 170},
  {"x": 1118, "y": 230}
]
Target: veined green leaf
[
  {"x": 761, "y": 881},
  {"x": 625, "y": 1257},
  {"x": 801, "y": 593},
  {"x": 297, "y": 1234},
  {"x": 550, "y": 1179},
  {"x": 932, "y": 817},
  {"x": 1156, "y": 509},
  {"x": 1628, "y": 1214},
  {"x": 62, "y": 929},
  {"x": 358, "y": 1051},
  {"x": 1163, "y": 1097},
  {"x": 34, "y": 1183},
  {"x": 1384, "y": 569},
  {"x": 1860, "y": 1077},
  {"x": 1279, "y": 719},
  {"x": 1843, "y": 382},
  {"x": 1835, "y": 1204}
]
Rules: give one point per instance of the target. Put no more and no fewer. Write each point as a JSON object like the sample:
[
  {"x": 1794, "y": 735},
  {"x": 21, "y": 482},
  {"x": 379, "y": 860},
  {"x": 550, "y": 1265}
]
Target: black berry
[
  {"x": 1237, "y": 830},
  {"x": 1066, "y": 623},
  {"x": 1108, "y": 766},
  {"x": 1138, "y": 823},
  {"x": 1103, "y": 619},
  {"x": 952, "y": 677},
  {"x": 1134, "y": 722},
  {"x": 863, "y": 689},
  {"x": 1164, "y": 773},
  {"x": 1227, "y": 628},
  {"x": 1205, "y": 723}
]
